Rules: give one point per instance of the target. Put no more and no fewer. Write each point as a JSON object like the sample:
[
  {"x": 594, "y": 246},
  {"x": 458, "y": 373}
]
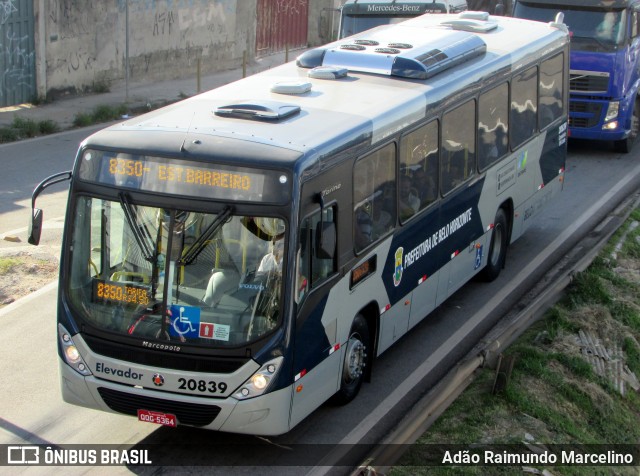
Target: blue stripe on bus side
[{"x": 426, "y": 244}]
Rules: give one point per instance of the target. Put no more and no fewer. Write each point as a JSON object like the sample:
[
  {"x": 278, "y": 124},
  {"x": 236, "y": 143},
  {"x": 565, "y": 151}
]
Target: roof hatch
[
  {"x": 258, "y": 110},
  {"x": 476, "y": 22},
  {"x": 415, "y": 53}
]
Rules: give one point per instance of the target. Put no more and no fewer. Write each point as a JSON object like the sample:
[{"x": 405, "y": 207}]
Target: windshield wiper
[
  {"x": 201, "y": 243},
  {"x": 140, "y": 232}
]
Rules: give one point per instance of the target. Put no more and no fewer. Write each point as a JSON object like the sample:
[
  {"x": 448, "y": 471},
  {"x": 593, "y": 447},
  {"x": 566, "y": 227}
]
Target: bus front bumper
[{"x": 266, "y": 414}]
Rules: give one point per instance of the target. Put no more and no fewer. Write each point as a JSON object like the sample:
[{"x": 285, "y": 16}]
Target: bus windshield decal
[{"x": 184, "y": 177}]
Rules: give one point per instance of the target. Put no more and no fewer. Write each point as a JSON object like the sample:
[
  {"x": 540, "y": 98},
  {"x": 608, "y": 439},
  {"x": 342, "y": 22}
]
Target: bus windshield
[
  {"x": 591, "y": 29},
  {"x": 205, "y": 279}
]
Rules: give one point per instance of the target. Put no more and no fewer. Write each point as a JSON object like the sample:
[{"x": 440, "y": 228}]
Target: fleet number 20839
[{"x": 202, "y": 385}]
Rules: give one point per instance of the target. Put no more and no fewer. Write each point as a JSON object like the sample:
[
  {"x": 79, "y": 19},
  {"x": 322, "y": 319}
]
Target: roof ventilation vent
[
  {"x": 433, "y": 57},
  {"x": 401, "y": 46},
  {"x": 259, "y": 110},
  {"x": 366, "y": 42},
  {"x": 327, "y": 72},
  {"x": 388, "y": 51},
  {"x": 291, "y": 87},
  {"x": 474, "y": 15},
  {"x": 353, "y": 47},
  {"x": 471, "y": 24}
]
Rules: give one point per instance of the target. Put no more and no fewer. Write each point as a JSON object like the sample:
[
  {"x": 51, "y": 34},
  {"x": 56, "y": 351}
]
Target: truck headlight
[
  {"x": 259, "y": 382},
  {"x": 612, "y": 111},
  {"x": 70, "y": 352}
]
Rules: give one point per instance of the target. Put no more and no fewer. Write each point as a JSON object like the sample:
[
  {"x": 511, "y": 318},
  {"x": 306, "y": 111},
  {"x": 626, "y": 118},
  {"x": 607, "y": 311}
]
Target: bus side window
[
  {"x": 374, "y": 212},
  {"x": 493, "y": 119},
  {"x": 419, "y": 162},
  {"x": 551, "y": 93},
  {"x": 524, "y": 100},
  {"x": 458, "y": 153},
  {"x": 311, "y": 269}
]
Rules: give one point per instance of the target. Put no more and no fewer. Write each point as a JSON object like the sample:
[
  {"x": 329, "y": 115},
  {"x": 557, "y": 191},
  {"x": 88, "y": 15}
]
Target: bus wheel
[
  {"x": 497, "y": 248},
  {"x": 355, "y": 360},
  {"x": 625, "y": 145}
]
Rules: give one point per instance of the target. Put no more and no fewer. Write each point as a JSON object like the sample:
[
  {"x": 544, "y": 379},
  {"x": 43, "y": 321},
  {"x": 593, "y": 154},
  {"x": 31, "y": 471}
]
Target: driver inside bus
[{"x": 272, "y": 261}]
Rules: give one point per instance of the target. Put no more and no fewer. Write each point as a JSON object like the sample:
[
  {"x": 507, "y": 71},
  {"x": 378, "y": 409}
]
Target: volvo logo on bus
[{"x": 158, "y": 380}]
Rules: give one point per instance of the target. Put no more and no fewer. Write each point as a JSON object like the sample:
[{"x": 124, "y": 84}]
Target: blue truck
[{"x": 605, "y": 65}]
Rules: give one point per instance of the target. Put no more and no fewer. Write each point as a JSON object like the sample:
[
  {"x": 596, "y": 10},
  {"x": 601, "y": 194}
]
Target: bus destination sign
[
  {"x": 124, "y": 293},
  {"x": 184, "y": 177}
]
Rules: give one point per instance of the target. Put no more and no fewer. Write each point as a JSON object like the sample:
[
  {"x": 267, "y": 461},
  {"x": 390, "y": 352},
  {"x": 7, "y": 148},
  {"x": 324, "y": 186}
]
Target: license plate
[{"x": 159, "y": 418}]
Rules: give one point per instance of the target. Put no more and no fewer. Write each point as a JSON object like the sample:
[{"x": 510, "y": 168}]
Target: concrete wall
[
  {"x": 324, "y": 17},
  {"x": 81, "y": 45}
]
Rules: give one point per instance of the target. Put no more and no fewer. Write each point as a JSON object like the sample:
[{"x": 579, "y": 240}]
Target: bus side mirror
[
  {"x": 35, "y": 227},
  {"x": 326, "y": 240}
]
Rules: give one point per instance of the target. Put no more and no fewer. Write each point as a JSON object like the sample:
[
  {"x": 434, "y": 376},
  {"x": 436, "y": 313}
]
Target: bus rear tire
[
  {"x": 497, "y": 248},
  {"x": 355, "y": 361}
]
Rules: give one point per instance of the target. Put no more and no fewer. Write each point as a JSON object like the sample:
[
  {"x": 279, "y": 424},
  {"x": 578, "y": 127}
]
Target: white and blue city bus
[{"x": 236, "y": 259}]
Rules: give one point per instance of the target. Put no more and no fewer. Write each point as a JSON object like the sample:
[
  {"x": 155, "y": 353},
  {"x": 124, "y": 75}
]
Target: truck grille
[
  {"x": 589, "y": 82},
  {"x": 193, "y": 414},
  {"x": 584, "y": 114}
]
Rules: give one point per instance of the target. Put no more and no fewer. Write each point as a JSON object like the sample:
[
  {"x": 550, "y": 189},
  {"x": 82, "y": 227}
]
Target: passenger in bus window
[
  {"x": 382, "y": 219},
  {"x": 221, "y": 282},
  {"x": 225, "y": 275},
  {"x": 425, "y": 187},
  {"x": 453, "y": 173},
  {"x": 364, "y": 229},
  {"x": 409, "y": 201},
  {"x": 360, "y": 187},
  {"x": 301, "y": 281}
]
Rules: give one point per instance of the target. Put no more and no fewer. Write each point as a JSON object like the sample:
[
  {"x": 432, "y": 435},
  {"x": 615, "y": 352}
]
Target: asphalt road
[{"x": 32, "y": 410}]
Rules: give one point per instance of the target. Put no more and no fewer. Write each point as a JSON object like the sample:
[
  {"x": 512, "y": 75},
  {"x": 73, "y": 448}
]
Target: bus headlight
[
  {"x": 70, "y": 352},
  {"x": 612, "y": 111},
  {"x": 259, "y": 382}
]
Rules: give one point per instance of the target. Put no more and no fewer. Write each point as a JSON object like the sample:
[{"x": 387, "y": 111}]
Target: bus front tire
[
  {"x": 497, "y": 247},
  {"x": 355, "y": 361}
]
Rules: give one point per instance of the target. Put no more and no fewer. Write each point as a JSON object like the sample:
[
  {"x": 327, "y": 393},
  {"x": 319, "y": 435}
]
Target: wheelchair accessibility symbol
[
  {"x": 185, "y": 321},
  {"x": 478, "y": 261}
]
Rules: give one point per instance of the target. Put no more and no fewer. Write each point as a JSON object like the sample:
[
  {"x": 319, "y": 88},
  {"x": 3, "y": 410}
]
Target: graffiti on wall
[
  {"x": 90, "y": 41},
  {"x": 18, "y": 71},
  {"x": 76, "y": 60},
  {"x": 163, "y": 23},
  {"x": 292, "y": 7},
  {"x": 6, "y": 9},
  {"x": 69, "y": 18}
]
